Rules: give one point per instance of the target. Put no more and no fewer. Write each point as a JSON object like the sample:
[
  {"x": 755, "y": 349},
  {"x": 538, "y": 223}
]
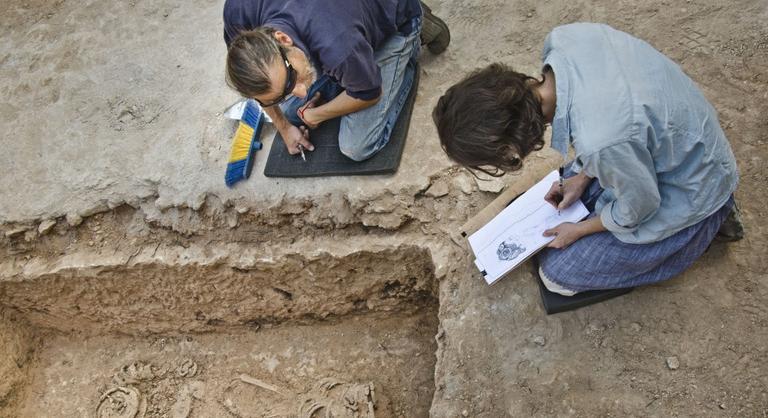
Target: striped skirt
[{"x": 600, "y": 261}]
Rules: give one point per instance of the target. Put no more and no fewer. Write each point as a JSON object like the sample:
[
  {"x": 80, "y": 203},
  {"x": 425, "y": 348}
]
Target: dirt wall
[
  {"x": 162, "y": 295},
  {"x": 16, "y": 342}
]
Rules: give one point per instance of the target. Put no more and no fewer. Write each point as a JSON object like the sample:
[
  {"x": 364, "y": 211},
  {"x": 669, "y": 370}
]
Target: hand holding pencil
[{"x": 565, "y": 192}]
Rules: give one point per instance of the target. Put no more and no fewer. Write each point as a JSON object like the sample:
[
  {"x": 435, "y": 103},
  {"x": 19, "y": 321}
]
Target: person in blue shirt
[
  {"x": 309, "y": 61},
  {"x": 651, "y": 160}
]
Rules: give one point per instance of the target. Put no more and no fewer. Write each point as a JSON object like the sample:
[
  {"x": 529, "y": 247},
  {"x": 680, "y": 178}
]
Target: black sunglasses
[{"x": 290, "y": 82}]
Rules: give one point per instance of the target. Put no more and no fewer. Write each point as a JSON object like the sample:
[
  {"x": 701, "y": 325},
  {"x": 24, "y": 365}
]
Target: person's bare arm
[
  {"x": 567, "y": 233},
  {"x": 341, "y": 105},
  {"x": 292, "y": 135}
]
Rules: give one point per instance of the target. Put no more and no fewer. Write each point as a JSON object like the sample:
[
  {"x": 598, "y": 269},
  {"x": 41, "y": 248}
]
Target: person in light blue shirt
[{"x": 651, "y": 160}]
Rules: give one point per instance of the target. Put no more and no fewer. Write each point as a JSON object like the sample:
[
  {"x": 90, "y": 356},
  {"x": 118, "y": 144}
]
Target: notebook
[{"x": 516, "y": 233}]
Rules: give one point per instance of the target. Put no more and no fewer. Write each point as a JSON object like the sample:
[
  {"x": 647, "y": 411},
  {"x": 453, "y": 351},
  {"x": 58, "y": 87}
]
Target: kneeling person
[
  {"x": 322, "y": 59},
  {"x": 652, "y": 162}
]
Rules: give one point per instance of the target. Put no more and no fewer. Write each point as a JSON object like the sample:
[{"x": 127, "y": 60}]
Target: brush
[{"x": 244, "y": 145}]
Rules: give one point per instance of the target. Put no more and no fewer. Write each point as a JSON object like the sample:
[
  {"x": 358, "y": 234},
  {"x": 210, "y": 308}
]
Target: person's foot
[
  {"x": 554, "y": 287},
  {"x": 731, "y": 229},
  {"x": 434, "y": 32}
]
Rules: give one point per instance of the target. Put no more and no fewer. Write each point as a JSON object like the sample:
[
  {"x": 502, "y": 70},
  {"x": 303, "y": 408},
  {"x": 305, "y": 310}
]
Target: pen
[
  {"x": 304, "y": 157},
  {"x": 562, "y": 196}
]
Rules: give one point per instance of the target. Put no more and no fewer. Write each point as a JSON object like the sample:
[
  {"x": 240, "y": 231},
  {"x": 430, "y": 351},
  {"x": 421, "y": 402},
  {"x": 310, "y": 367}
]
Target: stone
[
  {"x": 437, "y": 189},
  {"x": 293, "y": 206},
  {"x": 232, "y": 220},
  {"x": 492, "y": 185},
  {"x": 30, "y": 235},
  {"x": 197, "y": 201},
  {"x": 15, "y": 231},
  {"x": 464, "y": 183},
  {"x": 635, "y": 327},
  {"x": 539, "y": 340},
  {"x": 673, "y": 363},
  {"x": 46, "y": 226},
  {"x": 74, "y": 219},
  {"x": 341, "y": 211},
  {"x": 384, "y": 204}
]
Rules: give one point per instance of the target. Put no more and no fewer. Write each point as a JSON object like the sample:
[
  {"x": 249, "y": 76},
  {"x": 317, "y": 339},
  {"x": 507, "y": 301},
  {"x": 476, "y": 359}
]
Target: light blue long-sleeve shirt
[{"x": 642, "y": 128}]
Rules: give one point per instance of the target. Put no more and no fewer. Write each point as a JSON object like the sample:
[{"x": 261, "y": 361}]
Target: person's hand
[
  {"x": 565, "y": 234},
  {"x": 573, "y": 188},
  {"x": 293, "y": 136},
  {"x": 306, "y": 114}
]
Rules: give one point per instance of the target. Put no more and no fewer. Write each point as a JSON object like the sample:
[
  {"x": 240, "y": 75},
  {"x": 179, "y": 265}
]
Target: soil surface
[
  {"x": 201, "y": 374},
  {"x": 127, "y": 268}
]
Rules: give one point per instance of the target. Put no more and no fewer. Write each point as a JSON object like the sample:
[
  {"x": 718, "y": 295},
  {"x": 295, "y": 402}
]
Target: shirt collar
[{"x": 561, "y": 126}]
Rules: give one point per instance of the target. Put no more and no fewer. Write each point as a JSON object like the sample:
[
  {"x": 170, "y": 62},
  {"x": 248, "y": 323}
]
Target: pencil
[{"x": 562, "y": 196}]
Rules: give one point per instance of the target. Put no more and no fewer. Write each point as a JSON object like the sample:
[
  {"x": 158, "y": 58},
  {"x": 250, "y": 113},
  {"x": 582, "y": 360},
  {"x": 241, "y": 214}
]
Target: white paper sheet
[
  {"x": 517, "y": 232},
  {"x": 236, "y": 111}
]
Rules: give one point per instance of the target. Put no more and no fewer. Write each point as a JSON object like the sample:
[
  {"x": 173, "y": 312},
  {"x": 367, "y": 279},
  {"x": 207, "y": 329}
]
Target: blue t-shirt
[{"x": 338, "y": 36}]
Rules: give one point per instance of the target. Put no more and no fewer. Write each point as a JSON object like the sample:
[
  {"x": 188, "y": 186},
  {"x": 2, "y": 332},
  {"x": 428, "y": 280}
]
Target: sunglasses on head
[{"x": 290, "y": 82}]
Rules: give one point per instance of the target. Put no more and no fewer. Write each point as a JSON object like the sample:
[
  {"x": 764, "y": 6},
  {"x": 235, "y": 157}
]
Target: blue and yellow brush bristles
[{"x": 244, "y": 145}]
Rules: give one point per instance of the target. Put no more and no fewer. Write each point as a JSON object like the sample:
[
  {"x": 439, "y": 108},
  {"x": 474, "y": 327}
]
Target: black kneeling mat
[
  {"x": 556, "y": 303},
  {"x": 327, "y": 159}
]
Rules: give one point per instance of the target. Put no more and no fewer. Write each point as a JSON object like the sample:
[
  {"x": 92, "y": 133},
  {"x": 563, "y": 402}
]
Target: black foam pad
[
  {"x": 556, "y": 303},
  {"x": 327, "y": 160}
]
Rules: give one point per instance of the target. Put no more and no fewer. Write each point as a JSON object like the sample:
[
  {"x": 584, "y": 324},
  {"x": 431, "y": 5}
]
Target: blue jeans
[{"x": 365, "y": 132}]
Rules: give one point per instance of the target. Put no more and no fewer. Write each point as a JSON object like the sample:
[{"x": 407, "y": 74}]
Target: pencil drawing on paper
[
  {"x": 517, "y": 232},
  {"x": 513, "y": 246},
  {"x": 509, "y": 250}
]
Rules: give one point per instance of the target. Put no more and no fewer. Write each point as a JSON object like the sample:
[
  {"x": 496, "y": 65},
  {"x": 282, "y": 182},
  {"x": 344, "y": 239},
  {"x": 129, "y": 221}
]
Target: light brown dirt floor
[{"x": 113, "y": 152}]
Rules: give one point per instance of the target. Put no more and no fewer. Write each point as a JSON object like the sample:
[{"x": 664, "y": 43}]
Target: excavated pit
[{"x": 201, "y": 329}]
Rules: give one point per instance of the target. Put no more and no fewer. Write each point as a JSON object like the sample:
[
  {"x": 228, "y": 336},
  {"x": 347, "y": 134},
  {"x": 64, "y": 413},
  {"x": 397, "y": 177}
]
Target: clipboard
[
  {"x": 531, "y": 175},
  {"x": 552, "y": 302}
]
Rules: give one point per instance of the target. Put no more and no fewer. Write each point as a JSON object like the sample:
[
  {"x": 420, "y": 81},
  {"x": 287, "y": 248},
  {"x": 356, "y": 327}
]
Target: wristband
[{"x": 301, "y": 113}]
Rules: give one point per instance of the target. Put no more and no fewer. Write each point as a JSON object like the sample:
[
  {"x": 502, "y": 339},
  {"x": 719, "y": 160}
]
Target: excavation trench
[{"x": 220, "y": 331}]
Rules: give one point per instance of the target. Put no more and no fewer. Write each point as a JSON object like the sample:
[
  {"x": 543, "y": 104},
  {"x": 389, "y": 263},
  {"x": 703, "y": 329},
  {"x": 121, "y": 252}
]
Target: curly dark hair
[{"x": 490, "y": 119}]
